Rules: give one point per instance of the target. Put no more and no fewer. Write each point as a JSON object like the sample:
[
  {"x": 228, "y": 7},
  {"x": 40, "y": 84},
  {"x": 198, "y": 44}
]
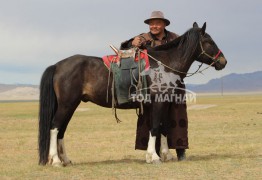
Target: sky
[{"x": 35, "y": 34}]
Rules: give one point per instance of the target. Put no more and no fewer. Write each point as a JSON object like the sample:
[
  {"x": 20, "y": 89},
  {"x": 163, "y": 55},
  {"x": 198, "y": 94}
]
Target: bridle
[{"x": 203, "y": 52}]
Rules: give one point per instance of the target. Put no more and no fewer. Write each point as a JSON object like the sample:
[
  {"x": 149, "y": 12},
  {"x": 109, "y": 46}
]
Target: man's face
[{"x": 157, "y": 26}]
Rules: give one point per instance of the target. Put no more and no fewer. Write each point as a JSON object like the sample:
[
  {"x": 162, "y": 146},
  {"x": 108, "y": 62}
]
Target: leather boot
[{"x": 181, "y": 154}]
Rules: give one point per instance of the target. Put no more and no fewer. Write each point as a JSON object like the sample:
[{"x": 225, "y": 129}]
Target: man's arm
[
  {"x": 138, "y": 41},
  {"x": 126, "y": 44}
]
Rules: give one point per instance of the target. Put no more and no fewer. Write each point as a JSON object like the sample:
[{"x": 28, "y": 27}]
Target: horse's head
[{"x": 208, "y": 52}]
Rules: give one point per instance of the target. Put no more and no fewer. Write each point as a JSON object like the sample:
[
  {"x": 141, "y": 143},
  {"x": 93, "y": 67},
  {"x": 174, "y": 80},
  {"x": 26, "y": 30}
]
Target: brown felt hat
[{"x": 157, "y": 15}]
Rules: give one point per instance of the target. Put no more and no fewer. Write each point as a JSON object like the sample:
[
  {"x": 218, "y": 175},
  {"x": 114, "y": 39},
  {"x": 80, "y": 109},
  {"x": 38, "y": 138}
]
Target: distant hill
[
  {"x": 19, "y": 92},
  {"x": 7, "y": 87},
  {"x": 232, "y": 83},
  {"x": 248, "y": 82}
]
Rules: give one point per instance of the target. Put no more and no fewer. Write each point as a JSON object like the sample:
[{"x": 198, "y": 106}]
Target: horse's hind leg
[
  {"x": 61, "y": 147},
  {"x": 62, "y": 152},
  {"x": 57, "y": 153},
  {"x": 53, "y": 158}
]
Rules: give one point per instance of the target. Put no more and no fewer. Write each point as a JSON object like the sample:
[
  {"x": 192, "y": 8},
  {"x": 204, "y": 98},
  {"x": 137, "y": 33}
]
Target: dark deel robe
[{"x": 177, "y": 117}]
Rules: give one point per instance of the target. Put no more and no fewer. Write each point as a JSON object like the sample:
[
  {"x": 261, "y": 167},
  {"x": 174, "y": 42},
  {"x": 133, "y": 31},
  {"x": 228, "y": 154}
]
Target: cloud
[
  {"x": 36, "y": 34},
  {"x": 29, "y": 43}
]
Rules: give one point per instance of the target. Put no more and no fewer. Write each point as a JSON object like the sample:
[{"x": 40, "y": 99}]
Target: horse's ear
[
  {"x": 195, "y": 25},
  {"x": 203, "y": 29}
]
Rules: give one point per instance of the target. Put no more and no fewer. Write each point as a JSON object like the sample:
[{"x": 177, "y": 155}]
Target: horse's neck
[
  {"x": 173, "y": 58},
  {"x": 176, "y": 58},
  {"x": 178, "y": 62}
]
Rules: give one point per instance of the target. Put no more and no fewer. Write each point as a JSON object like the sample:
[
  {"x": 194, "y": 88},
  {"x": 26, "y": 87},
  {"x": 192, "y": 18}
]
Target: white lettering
[
  {"x": 147, "y": 99},
  {"x": 158, "y": 98},
  {"x": 191, "y": 98},
  {"x": 166, "y": 98}
]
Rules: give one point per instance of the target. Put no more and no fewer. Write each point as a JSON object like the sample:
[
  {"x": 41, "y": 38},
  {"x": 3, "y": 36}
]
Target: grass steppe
[{"x": 225, "y": 143}]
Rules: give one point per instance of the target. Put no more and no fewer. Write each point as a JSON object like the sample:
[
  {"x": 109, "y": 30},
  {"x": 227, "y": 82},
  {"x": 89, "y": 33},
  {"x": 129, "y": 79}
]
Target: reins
[
  {"x": 215, "y": 60},
  {"x": 139, "y": 86}
]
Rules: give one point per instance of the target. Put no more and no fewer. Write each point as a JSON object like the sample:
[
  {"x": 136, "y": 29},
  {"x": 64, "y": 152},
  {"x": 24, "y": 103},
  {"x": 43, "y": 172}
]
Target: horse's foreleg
[
  {"x": 62, "y": 153},
  {"x": 165, "y": 154},
  {"x": 151, "y": 155},
  {"x": 157, "y": 112},
  {"x": 53, "y": 158}
]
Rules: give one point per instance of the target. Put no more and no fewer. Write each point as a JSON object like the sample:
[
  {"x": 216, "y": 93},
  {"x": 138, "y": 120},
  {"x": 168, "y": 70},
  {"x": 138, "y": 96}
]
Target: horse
[{"x": 85, "y": 78}]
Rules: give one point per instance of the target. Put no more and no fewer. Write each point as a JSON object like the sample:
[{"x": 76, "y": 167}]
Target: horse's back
[
  {"x": 77, "y": 64},
  {"x": 76, "y": 61},
  {"x": 81, "y": 77}
]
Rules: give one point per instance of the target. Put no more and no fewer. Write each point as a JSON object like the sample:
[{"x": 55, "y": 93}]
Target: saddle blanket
[{"x": 126, "y": 74}]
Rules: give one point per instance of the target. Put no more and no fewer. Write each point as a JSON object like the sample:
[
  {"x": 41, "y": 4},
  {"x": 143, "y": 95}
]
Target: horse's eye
[{"x": 211, "y": 42}]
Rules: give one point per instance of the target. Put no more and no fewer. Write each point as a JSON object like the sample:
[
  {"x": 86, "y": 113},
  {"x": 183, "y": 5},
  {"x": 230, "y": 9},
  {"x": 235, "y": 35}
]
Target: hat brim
[{"x": 165, "y": 20}]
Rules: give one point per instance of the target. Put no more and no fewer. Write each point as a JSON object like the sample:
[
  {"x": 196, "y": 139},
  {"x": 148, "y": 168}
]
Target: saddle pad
[{"x": 115, "y": 59}]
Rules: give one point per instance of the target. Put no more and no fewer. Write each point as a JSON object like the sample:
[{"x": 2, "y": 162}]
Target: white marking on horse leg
[
  {"x": 62, "y": 152},
  {"x": 53, "y": 158},
  {"x": 151, "y": 155},
  {"x": 164, "y": 146},
  {"x": 165, "y": 154},
  {"x": 151, "y": 144}
]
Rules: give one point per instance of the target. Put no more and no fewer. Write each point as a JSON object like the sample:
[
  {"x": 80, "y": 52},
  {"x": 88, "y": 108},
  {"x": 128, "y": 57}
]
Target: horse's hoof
[
  {"x": 148, "y": 157},
  {"x": 54, "y": 162},
  {"x": 69, "y": 163},
  {"x": 152, "y": 158},
  {"x": 57, "y": 164},
  {"x": 156, "y": 161},
  {"x": 166, "y": 157}
]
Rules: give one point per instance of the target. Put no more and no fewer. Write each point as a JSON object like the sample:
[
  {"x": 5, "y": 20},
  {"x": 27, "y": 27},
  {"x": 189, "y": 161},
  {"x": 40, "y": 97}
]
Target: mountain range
[{"x": 232, "y": 83}]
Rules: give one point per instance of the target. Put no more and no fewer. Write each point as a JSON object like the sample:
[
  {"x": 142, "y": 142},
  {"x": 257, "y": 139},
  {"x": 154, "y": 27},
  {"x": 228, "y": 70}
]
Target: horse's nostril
[{"x": 222, "y": 61}]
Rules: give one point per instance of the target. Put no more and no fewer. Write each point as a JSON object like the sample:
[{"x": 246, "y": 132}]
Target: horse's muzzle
[{"x": 221, "y": 64}]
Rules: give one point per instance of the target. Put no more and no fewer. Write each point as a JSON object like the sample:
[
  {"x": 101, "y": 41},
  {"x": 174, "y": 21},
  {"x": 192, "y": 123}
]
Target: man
[
  {"x": 177, "y": 116},
  {"x": 158, "y": 34}
]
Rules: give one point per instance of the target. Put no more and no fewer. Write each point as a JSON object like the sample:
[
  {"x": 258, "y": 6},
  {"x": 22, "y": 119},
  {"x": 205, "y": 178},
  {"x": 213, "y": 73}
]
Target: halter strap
[
  {"x": 219, "y": 52},
  {"x": 204, "y": 52}
]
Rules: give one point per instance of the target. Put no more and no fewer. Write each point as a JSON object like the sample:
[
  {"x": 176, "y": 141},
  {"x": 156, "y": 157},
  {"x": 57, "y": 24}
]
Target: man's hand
[{"x": 137, "y": 42}]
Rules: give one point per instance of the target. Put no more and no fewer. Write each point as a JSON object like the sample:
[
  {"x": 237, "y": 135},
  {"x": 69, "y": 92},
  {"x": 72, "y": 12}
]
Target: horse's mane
[{"x": 187, "y": 42}]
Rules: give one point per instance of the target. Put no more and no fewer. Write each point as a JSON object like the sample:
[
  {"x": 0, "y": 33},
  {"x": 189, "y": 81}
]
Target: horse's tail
[{"x": 47, "y": 109}]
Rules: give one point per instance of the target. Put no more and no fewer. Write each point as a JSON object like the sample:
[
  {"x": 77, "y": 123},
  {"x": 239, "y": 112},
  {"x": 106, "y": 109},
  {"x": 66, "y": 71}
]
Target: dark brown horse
[{"x": 85, "y": 78}]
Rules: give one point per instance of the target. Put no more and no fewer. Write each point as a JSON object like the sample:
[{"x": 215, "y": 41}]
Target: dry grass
[{"x": 225, "y": 143}]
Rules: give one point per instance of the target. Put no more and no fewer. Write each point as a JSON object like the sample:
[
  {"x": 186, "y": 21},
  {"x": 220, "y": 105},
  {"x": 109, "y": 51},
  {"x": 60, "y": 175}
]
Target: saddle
[
  {"x": 125, "y": 54},
  {"x": 126, "y": 67}
]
